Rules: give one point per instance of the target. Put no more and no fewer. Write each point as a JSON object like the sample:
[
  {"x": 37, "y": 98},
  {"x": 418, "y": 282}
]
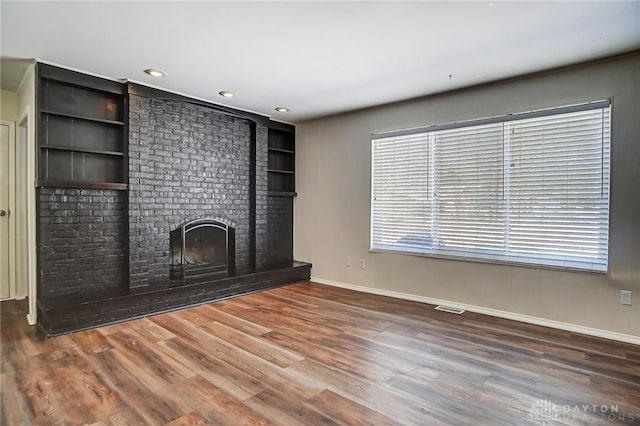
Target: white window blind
[
  {"x": 559, "y": 195},
  {"x": 527, "y": 188},
  {"x": 402, "y": 212},
  {"x": 470, "y": 188}
]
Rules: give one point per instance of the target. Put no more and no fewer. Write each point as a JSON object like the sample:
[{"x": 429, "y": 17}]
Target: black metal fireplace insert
[{"x": 202, "y": 247}]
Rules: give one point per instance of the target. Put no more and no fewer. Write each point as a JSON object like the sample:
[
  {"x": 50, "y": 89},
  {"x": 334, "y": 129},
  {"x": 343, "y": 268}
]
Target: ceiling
[{"x": 316, "y": 58}]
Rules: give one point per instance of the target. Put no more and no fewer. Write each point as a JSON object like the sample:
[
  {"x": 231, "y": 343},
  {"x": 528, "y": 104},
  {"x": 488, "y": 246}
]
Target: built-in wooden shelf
[
  {"x": 287, "y": 151},
  {"x": 82, "y": 117},
  {"x": 282, "y": 194},
  {"x": 82, "y": 131},
  {"x": 281, "y": 171},
  {"x": 82, "y": 185},
  {"x": 282, "y": 160},
  {"x": 87, "y": 150}
]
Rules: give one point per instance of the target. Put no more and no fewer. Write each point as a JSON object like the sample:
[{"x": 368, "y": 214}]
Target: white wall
[
  {"x": 8, "y": 105},
  {"x": 26, "y": 93},
  {"x": 332, "y": 210}
]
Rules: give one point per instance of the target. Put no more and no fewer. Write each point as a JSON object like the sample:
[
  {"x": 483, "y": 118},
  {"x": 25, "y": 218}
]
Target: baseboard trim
[
  {"x": 31, "y": 320},
  {"x": 574, "y": 328}
]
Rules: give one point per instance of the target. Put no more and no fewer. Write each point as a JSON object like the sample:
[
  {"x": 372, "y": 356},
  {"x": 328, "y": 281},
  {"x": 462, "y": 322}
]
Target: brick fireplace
[
  {"x": 186, "y": 162},
  {"x": 110, "y": 252}
]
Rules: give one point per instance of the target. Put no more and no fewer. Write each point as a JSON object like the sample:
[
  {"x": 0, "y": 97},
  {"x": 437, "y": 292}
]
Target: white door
[{"x": 5, "y": 291}]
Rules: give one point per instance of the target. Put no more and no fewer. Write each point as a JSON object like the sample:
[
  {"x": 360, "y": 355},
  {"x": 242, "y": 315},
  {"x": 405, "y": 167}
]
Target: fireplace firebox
[{"x": 202, "y": 247}]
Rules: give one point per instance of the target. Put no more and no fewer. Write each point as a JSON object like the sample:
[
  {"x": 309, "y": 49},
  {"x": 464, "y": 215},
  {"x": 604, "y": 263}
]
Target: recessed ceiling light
[
  {"x": 155, "y": 72},
  {"x": 282, "y": 109},
  {"x": 226, "y": 94}
]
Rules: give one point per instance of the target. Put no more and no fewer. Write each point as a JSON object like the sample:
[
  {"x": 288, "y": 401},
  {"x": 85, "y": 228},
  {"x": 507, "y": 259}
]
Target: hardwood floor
[{"x": 308, "y": 354}]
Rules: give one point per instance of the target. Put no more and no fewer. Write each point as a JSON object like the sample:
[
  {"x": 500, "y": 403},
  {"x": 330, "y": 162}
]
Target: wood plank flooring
[{"x": 309, "y": 354}]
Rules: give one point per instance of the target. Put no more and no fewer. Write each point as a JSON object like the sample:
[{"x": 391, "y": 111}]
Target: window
[{"x": 530, "y": 188}]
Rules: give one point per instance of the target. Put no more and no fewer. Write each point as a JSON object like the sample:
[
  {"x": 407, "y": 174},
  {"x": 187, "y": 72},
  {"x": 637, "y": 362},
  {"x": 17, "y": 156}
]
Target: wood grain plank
[
  {"x": 96, "y": 398},
  {"x": 218, "y": 406},
  {"x": 259, "y": 347},
  {"x": 142, "y": 356},
  {"x": 191, "y": 419},
  {"x": 244, "y": 361},
  {"x": 91, "y": 341},
  {"x": 154, "y": 408},
  {"x": 52, "y": 397},
  {"x": 16, "y": 406},
  {"x": 334, "y": 378},
  {"x": 234, "y": 381},
  {"x": 347, "y": 411},
  {"x": 275, "y": 321},
  {"x": 145, "y": 328},
  {"x": 284, "y": 409},
  {"x": 356, "y": 366},
  {"x": 241, "y": 324},
  {"x": 126, "y": 417}
]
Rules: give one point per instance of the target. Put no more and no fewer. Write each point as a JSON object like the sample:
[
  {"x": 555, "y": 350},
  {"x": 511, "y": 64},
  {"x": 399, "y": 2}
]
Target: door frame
[
  {"x": 11, "y": 208},
  {"x": 27, "y": 123}
]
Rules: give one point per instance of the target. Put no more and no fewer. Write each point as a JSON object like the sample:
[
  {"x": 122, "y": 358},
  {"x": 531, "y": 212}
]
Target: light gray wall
[{"x": 332, "y": 210}]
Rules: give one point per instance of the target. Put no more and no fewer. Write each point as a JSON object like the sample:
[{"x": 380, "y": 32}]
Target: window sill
[{"x": 514, "y": 263}]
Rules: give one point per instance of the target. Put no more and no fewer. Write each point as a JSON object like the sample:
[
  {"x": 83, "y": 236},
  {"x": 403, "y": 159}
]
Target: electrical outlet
[
  {"x": 625, "y": 297},
  {"x": 361, "y": 263},
  {"x": 347, "y": 262}
]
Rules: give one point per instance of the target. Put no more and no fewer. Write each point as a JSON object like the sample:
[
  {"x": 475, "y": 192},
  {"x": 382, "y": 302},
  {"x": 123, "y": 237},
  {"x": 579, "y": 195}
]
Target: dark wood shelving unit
[
  {"x": 282, "y": 161},
  {"x": 82, "y": 131}
]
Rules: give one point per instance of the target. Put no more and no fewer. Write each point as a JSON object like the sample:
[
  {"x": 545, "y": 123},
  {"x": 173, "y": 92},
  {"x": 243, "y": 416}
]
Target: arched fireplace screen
[{"x": 202, "y": 247}]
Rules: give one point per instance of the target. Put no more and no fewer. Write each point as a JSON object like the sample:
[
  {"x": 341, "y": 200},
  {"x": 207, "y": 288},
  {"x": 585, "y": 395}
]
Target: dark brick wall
[
  {"x": 185, "y": 162},
  {"x": 279, "y": 238},
  {"x": 83, "y": 241},
  {"x": 262, "y": 234}
]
